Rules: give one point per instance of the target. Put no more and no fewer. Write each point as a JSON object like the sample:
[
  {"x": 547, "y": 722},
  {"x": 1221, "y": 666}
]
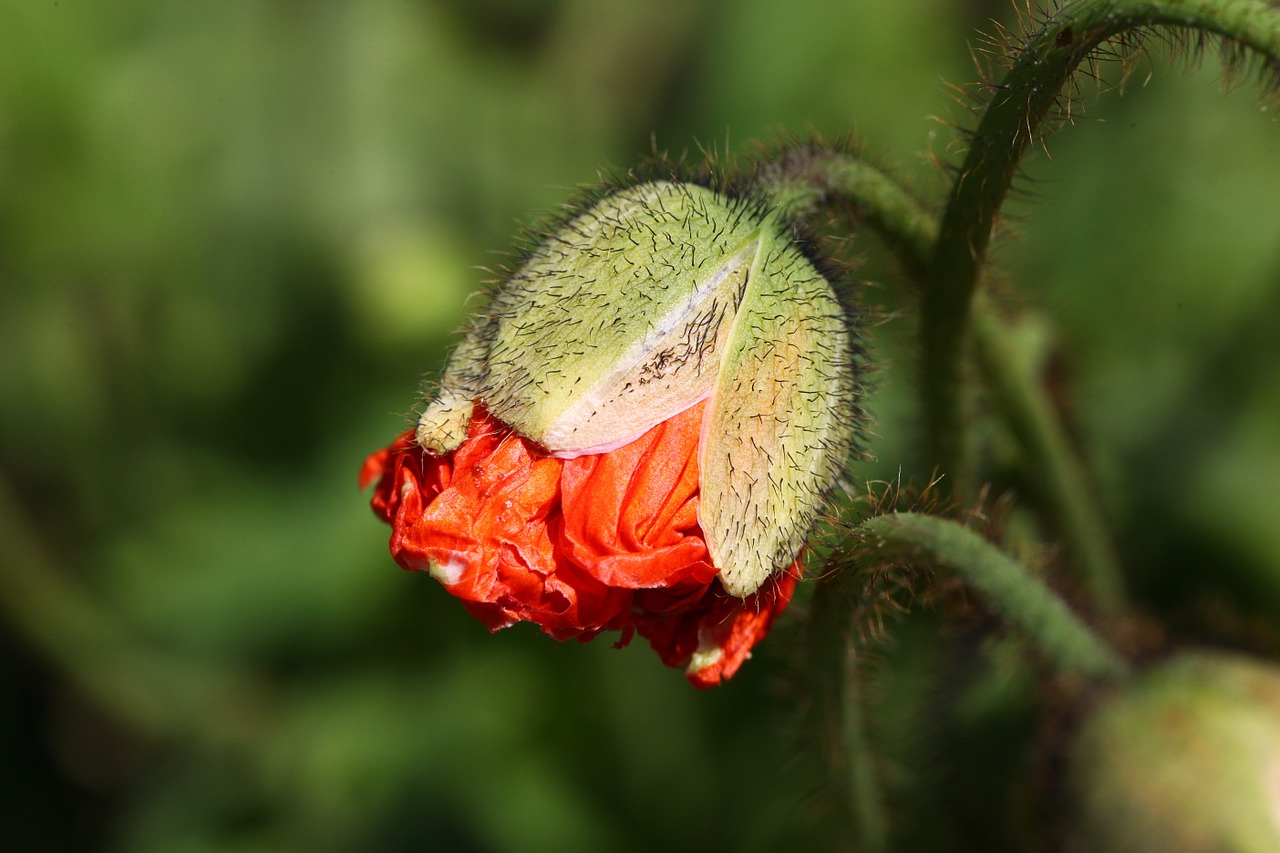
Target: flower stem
[
  {"x": 1068, "y": 644},
  {"x": 1048, "y": 453},
  {"x": 839, "y": 705},
  {"x": 1013, "y": 119},
  {"x": 833, "y": 657},
  {"x": 866, "y": 800},
  {"x": 807, "y": 181}
]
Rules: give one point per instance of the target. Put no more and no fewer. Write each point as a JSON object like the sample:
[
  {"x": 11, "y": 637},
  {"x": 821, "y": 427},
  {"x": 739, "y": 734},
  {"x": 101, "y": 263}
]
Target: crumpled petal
[
  {"x": 711, "y": 639},
  {"x": 600, "y": 542},
  {"x": 631, "y": 515}
]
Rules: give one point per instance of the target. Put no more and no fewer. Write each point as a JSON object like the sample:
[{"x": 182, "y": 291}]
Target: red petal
[
  {"x": 631, "y": 515},
  {"x": 602, "y": 542},
  {"x": 712, "y": 642}
]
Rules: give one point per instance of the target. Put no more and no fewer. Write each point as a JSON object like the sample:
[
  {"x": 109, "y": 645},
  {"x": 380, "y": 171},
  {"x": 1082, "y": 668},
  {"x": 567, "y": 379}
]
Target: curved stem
[
  {"x": 1021, "y": 598},
  {"x": 807, "y": 181},
  {"x": 832, "y": 659},
  {"x": 1013, "y": 119}
]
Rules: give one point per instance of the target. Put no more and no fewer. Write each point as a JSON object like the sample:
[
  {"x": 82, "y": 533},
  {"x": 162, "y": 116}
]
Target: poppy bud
[
  {"x": 1186, "y": 757},
  {"x": 670, "y": 316}
]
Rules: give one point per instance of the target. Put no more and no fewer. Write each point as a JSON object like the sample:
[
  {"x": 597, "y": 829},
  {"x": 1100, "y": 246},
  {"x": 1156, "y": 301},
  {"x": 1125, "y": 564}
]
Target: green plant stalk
[
  {"x": 839, "y": 705},
  {"x": 825, "y": 177},
  {"x": 811, "y": 180},
  {"x": 1012, "y": 120},
  {"x": 1031, "y": 415},
  {"x": 1066, "y": 642},
  {"x": 866, "y": 800}
]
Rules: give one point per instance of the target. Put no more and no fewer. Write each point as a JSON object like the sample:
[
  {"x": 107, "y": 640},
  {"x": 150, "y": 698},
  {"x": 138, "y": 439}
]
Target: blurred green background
[{"x": 235, "y": 236}]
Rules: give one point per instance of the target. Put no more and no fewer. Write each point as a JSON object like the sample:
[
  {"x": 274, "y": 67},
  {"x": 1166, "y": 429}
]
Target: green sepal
[
  {"x": 780, "y": 426},
  {"x": 442, "y": 426},
  {"x": 618, "y": 320}
]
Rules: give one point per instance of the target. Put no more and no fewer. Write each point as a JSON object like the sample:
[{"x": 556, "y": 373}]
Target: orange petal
[{"x": 630, "y": 515}]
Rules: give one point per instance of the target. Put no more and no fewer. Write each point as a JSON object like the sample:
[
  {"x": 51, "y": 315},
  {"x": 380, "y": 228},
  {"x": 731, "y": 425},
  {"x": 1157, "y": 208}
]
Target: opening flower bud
[
  {"x": 1184, "y": 758},
  {"x": 656, "y": 403}
]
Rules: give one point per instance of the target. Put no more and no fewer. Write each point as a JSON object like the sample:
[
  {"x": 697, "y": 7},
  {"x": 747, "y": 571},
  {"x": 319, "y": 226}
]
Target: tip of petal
[
  {"x": 448, "y": 572},
  {"x": 706, "y": 667},
  {"x": 705, "y": 656},
  {"x": 371, "y": 470}
]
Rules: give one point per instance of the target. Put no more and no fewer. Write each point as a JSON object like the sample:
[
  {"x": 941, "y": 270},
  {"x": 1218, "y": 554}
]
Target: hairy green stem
[
  {"x": 866, "y": 800},
  {"x": 1013, "y": 119},
  {"x": 840, "y": 709},
  {"x": 809, "y": 180},
  {"x": 1066, "y": 642},
  {"x": 832, "y": 657}
]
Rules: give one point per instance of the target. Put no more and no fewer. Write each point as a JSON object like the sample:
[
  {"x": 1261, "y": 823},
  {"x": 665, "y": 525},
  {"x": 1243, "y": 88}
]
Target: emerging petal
[
  {"x": 631, "y": 515},
  {"x": 600, "y": 542}
]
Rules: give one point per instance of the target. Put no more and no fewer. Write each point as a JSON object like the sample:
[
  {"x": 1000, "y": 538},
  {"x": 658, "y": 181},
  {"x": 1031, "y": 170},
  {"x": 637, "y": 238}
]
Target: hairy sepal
[
  {"x": 619, "y": 320},
  {"x": 442, "y": 427},
  {"x": 779, "y": 427}
]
